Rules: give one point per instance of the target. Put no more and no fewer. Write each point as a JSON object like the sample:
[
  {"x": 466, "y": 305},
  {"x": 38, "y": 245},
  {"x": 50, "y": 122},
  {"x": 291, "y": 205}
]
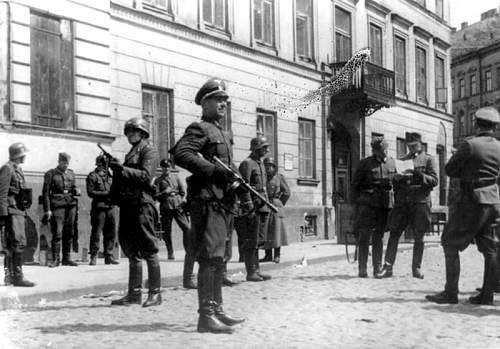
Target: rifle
[
  {"x": 104, "y": 152},
  {"x": 245, "y": 184}
]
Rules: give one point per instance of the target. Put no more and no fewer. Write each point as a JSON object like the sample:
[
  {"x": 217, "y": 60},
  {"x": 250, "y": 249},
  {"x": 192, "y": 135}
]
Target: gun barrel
[{"x": 104, "y": 152}]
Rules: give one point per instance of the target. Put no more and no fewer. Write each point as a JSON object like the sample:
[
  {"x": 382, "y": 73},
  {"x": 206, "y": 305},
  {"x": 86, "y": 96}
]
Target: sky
[{"x": 469, "y": 10}]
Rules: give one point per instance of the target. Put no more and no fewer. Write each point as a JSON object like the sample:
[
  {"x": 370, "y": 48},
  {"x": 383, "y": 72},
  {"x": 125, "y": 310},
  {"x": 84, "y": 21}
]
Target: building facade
[{"x": 73, "y": 71}]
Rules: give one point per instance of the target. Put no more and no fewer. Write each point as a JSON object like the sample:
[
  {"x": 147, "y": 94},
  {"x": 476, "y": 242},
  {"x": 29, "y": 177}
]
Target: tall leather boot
[
  {"x": 187, "y": 274},
  {"x": 277, "y": 254},
  {"x": 265, "y": 277},
  {"x": 485, "y": 297},
  {"x": 450, "y": 293},
  {"x": 418, "y": 252},
  {"x": 8, "y": 269},
  {"x": 170, "y": 250},
  {"x": 219, "y": 311},
  {"x": 377, "y": 247},
  {"x": 56, "y": 250},
  {"x": 133, "y": 295},
  {"x": 250, "y": 266},
  {"x": 362, "y": 257},
  {"x": 392, "y": 248},
  {"x": 225, "y": 279},
  {"x": 154, "y": 281},
  {"x": 207, "y": 321},
  {"x": 268, "y": 257},
  {"x": 19, "y": 280}
]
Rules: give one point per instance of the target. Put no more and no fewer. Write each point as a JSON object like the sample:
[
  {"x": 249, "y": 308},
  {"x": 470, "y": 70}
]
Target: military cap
[
  {"x": 64, "y": 157},
  {"x": 379, "y": 143},
  {"x": 413, "y": 137},
  {"x": 213, "y": 87},
  {"x": 489, "y": 114},
  {"x": 166, "y": 163}
]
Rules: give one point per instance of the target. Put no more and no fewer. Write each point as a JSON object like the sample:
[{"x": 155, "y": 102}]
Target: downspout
[{"x": 324, "y": 177}]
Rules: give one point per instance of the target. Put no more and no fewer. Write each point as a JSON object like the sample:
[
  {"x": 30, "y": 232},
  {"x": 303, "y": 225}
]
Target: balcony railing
[{"x": 441, "y": 97}]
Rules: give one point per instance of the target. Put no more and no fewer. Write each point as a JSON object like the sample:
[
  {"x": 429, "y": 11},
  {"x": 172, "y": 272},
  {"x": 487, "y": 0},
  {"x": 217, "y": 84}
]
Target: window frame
[
  {"x": 211, "y": 24},
  {"x": 488, "y": 81},
  {"x": 439, "y": 8},
  {"x": 373, "y": 25},
  {"x": 405, "y": 66},
  {"x": 473, "y": 84},
  {"x": 340, "y": 32},
  {"x": 274, "y": 142},
  {"x": 273, "y": 18},
  {"x": 301, "y": 139},
  {"x": 152, "y": 5},
  {"x": 308, "y": 57},
  {"x": 461, "y": 88},
  {"x": 401, "y": 143},
  {"x": 419, "y": 98}
]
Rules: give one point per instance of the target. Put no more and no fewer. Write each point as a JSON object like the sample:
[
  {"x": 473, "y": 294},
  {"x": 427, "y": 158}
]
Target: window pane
[
  {"x": 439, "y": 8},
  {"x": 306, "y": 148},
  {"x": 220, "y": 15},
  {"x": 342, "y": 35},
  {"x": 207, "y": 11},
  {"x": 156, "y": 110},
  {"x": 376, "y": 44},
  {"x": 421, "y": 73},
  {"x": 302, "y": 44},
  {"x": 400, "y": 64},
  {"x": 257, "y": 19},
  {"x": 268, "y": 23},
  {"x": 342, "y": 20},
  {"x": 304, "y": 6}
]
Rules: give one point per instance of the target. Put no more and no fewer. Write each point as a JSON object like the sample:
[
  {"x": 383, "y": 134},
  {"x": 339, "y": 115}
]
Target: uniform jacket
[
  {"x": 58, "y": 189},
  {"x": 423, "y": 181},
  {"x": 11, "y": 184},
  {"x": 254, "y": 173},
  {"x": 169, "y": 191},
  {"x": 371, "y": 184},
  {"x": 134, "y": 184},
  {"x": 278, "y": 192},
  {"x": 477, "y": 164},
  {"x": 98, "y": 187}
]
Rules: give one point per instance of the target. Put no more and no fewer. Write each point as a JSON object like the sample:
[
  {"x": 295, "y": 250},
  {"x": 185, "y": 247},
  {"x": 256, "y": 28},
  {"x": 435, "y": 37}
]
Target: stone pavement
[
  {"x": 321, "y": 305},
  {"x": 66, "y": 282}
]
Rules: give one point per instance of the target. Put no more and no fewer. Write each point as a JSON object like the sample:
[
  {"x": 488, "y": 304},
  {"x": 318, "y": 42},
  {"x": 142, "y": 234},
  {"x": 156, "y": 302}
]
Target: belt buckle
[{"x": 65, "y": 191}]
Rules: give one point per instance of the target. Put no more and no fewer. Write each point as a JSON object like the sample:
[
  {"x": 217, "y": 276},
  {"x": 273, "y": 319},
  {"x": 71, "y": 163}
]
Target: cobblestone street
[{"x": 316, "y": 306}]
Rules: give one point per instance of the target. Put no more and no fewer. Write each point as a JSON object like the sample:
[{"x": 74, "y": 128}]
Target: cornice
[
  {"x": 376, "y": 7},
  {"x": 419, "y": 31},
  {"x": 401, "y": 20},
  {"x": 441, "y": 43}
]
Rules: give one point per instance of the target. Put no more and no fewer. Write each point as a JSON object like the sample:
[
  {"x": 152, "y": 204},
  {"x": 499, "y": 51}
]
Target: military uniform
[
  {"x": 210, "y": 203},
  {"x": 59, "y": 191},
  {"x": 102, "y": 213},
  {"x": 133, "y": 192},
  {"x": 477, "y": 210},
  {"x": 15, "y": 198},
  {"x": 372, "y": 193},
  {"x": 412, "y": 207}
]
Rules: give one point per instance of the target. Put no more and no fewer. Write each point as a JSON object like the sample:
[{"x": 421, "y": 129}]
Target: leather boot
[
  {"x": 386, "y": 272},
  {"x": 225, "y": 279},
  {"x": 485, "y": 297},
  {"x": 110, "y": 260},
  {"x": 134, "y": 295},
  {"x": 56, "y": 259},
  {"x": 268, "y": 257},
  {"x": 207, "y": 321},
  {"x": 188, "y": 275},
  {"x": 154, "y": 281},
  {"x": 277, "y": 254},
  {"x": 392, "y": 248},
  {"x": 8, "y": 270},
  {"x": 418, "y": 252},
  {"x": 67, "y": 260},
  {"x": 93, "y": 260},
  {"x": 219, "y": 311},
  {"x": 449, "y": 295},
  {"x": 19, "y": 280},
  {"x": 377, "y": 248},
  {"x": 250, "y": 266},
  {"x": 362, "y": 258},
  {"x": 443, "y": 298},
  {"x": 170, "y": 250},
  {"x": 265, "y": 277}
]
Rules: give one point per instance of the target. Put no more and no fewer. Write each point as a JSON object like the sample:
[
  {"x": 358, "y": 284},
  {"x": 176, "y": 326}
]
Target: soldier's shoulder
[
  {"x": 50, "y": 172},
  {"x": 70, "y": 171}
]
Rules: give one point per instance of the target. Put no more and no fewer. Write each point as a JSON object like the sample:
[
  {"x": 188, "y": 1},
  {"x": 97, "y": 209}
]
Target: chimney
[{"x": 463, "y": 25}]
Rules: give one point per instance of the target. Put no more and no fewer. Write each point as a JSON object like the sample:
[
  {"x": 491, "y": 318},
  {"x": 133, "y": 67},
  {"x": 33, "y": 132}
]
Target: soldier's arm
[
  {"x": 180, "y": 185},
  {"x": 144, "y": 174},
  {"x": 429, "y": 178},
  {"x": 285, "y": 190},
  {"x": 5, "y": 176},
  {"x": 186, "y": 151},
  {"x": 245, "y": 173},
  {"x": 457, "y": 161},
  {"x": 47, "y": 181},
  {"x": 91, "y": 188},
  {"x": 357, "y": 178}
]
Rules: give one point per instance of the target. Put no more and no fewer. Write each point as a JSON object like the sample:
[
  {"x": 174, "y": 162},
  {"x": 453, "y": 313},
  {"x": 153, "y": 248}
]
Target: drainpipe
[{"x": 324, "y": 187}]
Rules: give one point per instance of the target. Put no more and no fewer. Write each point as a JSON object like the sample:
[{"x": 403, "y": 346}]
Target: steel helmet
[
  {"x": 101, "y": 159},
  {"x": 258, "y": 142},
  {"x": 17, "y": 150},
  {"x": 269, "y": 161},
  {"x": 138, "y": 124}
]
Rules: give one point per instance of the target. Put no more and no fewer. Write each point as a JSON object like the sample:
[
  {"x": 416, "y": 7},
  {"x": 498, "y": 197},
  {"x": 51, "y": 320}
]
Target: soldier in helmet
[
  {"x": 372, "y": 193},
  {"x": 170, "y": 193},
  {"x": 253, "y": 227},
  {"x": 279, "y": 193},
  {"x": 210, "y": 200},
  {"x": 132, "y": 191},
  {"x": 13, "y": 204},
  {"x": 102, "y": 213},
  {"x": 59, "y": 202},
  {"x": 476, "y": 211}
]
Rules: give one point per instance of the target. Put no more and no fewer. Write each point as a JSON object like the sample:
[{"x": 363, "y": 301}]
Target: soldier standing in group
[
  {"x": 279, "y": 193},
  {"x": 60, "y": 205},
  {"x": 373, "y": 196},
  {"x": 132, "y": 191},
  {"x": 210, "y": 201},
  {"x": 253, "y": 227},
  {"x": 14, "y": 200},
  {"x": 170, "y": 193},
  {"x": 102, "y": 213},
  {"x": 412, "y": 205},
  {"x": 477, "y": 211}
]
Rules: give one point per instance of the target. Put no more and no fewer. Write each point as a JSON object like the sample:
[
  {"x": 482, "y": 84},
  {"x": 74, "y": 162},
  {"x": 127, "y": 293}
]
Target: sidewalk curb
[{"x": 14, "y": 301}]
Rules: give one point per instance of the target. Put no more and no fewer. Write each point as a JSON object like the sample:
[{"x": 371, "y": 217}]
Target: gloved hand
[
  {"x": 222, "y": 175},
  {"x": 247, "y": 208},
  {"x": 115, "y": 165}
]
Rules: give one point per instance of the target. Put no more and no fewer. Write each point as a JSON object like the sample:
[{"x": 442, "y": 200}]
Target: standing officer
[
  {"x": 102, "y": 215},
  {"x": 372, "y": 193},
  {"x": 170, "y": 193},
  {"x": 132, "y": 191},
  {"x": 14, "y": 200},
  {"x": 210, "y": 201},
  {"x": 279, "y": 193},
  {"x": 412, "y": 206},
  {"x": 253, "y": 227},
  {"x": 477, "y": 211},
  {"x": 59, "y": 203}
]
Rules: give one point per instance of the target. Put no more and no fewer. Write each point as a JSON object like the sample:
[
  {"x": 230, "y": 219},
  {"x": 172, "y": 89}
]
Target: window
[
  {"x": 159, "y": 5},
  {"x": 310, "y": 227},
  {"x": 343, "y": 48},
  {"x": 400, "y": 147},
  {"x": 214, "y": 13},
  {"x": 263, "y": 21},
  {"x": 470, "y": 122},
  {"x": 51, "y": 71},
  {"x": 441, "y": 90},
  {"x": 307, "y": 159},
  {"x": 473, "y": 85},
  {"x": 303, "y": 28},
  {"x": 461, "y": 90},
  {"x": 266, "y": 126},
  {"x": 400, "y": 64},
  {"x": 487, "y": 80},
  {"x": 157, "y": 110},
  {"x": 461, "y": 123},
  {"x": 439, "y": 8},
  {"x": 421, "y": 72},
  {"x": 376, "y": 44}
]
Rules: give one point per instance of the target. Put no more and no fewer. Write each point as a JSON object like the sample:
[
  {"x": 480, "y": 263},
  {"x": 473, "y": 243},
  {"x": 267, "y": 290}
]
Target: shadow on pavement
[
  {"x": 377, "y": 300},
  {"x": 465, "y": 308},
  {"x": 82, "y": 327},
  {"x": 325, "y": 277},
  {"x": 34, "y": 309}
]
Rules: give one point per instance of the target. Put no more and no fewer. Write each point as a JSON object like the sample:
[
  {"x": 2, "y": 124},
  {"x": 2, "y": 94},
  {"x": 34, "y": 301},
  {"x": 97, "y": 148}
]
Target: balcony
[{"x": 368, "y": 90}]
